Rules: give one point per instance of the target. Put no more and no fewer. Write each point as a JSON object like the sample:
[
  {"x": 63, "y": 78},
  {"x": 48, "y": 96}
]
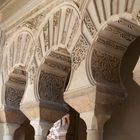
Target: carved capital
[
  {"x": 8, "y": 128},
  {"x": 41, "y": 129},
  {"x": 95, "y": 121}
]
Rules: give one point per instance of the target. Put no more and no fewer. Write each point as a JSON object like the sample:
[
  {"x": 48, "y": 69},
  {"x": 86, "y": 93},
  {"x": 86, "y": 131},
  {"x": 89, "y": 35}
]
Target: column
[
  {"x": 41, "y": 129},
  {"x": 8, "y": 130},
  {"x": 95, "y": 124}
]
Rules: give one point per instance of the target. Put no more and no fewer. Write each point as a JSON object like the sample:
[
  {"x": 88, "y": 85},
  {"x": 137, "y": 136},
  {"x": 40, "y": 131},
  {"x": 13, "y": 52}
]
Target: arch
[
  {"x": 94, "y": 20},
  {"x": 15, "y": 87},
  {"x": 109, "y": 30},
  {"x": 56, "y": 35},
  {"x": 55, "y": 31},
  {"x": 13, "y": 92},
  {"x": 18, "y": 51},
  {"x": 98, "y": 12},
  {"x": 97, "y": 17},
  {"x": 55, "y": 70},
  {"x": 51, "y": 65},
  {"x": 127, "y": 115},
  {"x": 109, "y": 46},
  {"x": 50, "y": 83}
]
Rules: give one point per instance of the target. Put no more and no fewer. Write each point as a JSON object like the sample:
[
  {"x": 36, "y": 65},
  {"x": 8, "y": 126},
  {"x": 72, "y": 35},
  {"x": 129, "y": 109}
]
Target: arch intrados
[
  {"x": 17, "y": 80},
  {"x": 113, "y": 18},
  {"x": 44, "y": 60}
]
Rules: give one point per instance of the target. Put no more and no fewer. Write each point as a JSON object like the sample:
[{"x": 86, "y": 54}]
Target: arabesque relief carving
[
  {"x": 56, "y": 25},
  {"x": 19, "y": 39},
  {"x": 89, "y": 24},
  {"x": 137, "y": 16},
  {"x": 58, "y": 66},
  {"x": 30, "y": 54},
  {"x": 128, "y": 37},
  {"x": 111, "y": 44},
  {"x": 27, "y": 41},
  {"x": 13, "y": 96},
  {"x": 15, "y": 87},
  {"x": 61, "y": 57},
  {"x": 51, "y": 87},
  {"x": 39, "y": 52},
  {"x": 79, "y": 52},
  {"x": 105, "y": 67},
  {"x": 127, "y": 24},
  {"x": 66, "y": 25},
  {"x": 32, "y": 70},
  {"x": 46, "y": 36},
  {"x": 74, "y": 30}
]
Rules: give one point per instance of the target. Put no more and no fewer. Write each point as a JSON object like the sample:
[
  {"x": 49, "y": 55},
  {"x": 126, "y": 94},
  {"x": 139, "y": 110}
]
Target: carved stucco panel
[
  {"x": 61, "y": 57},
  {"x": 32, "y": 70},
  {"x": 27, "y": 41},
  {"x": 51, "y": 87},
  {"x": 38, "y": 53},
  {"x": 74, "y": 30},
  {"x": 13, "y": 96},
  {"x": 111, "y": 44},
  {"x": 122, "y": 34},
  {"x": 79, "y": 52},
  {"x": 89, "y": 24},
  {"x": 66, "y": 24},
  {"x": 105, "y": 67}
]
